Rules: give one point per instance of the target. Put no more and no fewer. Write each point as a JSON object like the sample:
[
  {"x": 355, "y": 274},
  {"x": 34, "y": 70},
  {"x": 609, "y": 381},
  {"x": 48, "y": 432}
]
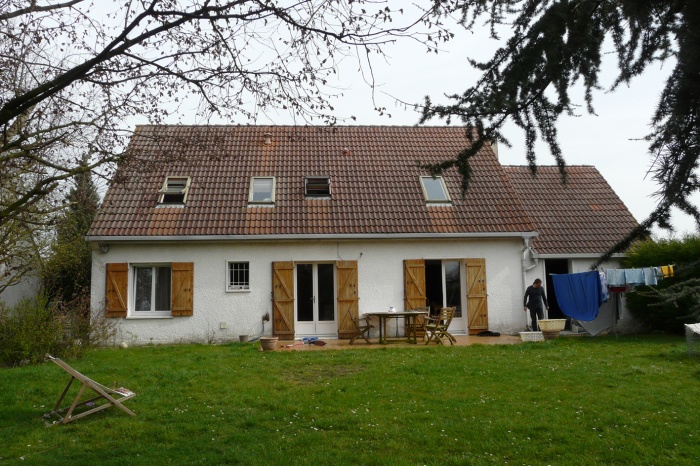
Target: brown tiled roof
[
  {"x": 583, "y": 216},
  {"x": 374, "y": 181}
]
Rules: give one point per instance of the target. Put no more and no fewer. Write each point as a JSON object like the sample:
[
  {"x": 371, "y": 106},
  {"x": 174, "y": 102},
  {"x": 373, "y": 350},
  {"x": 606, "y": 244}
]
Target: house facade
[{"x": 210, "y": 232}]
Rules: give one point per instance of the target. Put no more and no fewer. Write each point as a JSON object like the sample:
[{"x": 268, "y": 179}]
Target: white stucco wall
[{"x": 380, "y": 270}]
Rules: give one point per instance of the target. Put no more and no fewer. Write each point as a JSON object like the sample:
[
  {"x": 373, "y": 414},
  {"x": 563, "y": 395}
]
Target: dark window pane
[
  {"x": 326, "y": 301},
  {"x": 163, "y": 285},
  {"x": 143, "y": 288},
  {"x": 453, "y": 287},
  {"x": 305, "y": 293}
]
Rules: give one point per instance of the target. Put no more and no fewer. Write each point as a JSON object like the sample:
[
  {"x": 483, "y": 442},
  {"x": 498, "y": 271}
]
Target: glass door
[{"x": 315, "y": 300}]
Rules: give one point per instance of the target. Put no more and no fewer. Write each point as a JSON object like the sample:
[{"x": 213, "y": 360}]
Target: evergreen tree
[
  {"x": 556, "y": 44},
  {"x": 67, "y": 272}
]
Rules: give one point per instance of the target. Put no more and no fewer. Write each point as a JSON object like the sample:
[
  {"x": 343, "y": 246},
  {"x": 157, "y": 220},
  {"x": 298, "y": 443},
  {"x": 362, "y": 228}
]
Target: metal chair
[{"x": 436, "y": 326}]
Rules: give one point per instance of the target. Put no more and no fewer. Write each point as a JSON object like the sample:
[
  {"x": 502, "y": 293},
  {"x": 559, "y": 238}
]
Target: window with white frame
[
  {"x": 238, "y": 276},
  {"x": 262, "y": 190},
  {"x": 152, "y": 289},
  {"x": 434, "y": 189},
  {"x": 174, "y": 190}
]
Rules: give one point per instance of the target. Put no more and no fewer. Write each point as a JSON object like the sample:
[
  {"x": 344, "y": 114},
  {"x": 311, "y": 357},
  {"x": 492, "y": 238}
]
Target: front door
[{"x": 315, "y": 300}]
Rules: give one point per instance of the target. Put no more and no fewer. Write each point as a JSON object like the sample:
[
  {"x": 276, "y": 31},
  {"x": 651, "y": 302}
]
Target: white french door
[{"x": 315, "y": 306}]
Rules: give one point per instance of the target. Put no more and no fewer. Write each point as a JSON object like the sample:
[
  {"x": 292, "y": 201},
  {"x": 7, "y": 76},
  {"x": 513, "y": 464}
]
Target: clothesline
[{"x": 620, "y": 278}]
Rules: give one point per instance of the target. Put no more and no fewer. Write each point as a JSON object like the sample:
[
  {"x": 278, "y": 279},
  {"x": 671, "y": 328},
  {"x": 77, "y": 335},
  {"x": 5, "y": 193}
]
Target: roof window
[
  {"x": 262, "y": 190},
  {"x": 317, "y": 186},
  {"x": 434, "y": 189},
  {"x": 174, "y": 190}
]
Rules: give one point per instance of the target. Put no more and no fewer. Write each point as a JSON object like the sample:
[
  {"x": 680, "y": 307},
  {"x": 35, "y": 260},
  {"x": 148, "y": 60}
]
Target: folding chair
[
  {"x": 111, "y": 397},
  {"x": 436, "y": 326},
  {"x": 417, "y": 327},
  {"x": 363, "y": 327}
]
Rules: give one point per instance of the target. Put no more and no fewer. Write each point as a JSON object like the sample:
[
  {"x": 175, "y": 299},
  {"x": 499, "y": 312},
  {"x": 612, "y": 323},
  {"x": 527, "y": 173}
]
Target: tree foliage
[
  {"x": 676, "y": 300},
  {"x": 75, "y": 73},
  {"x": 555, "y": 45},
  {"x": 67, "y": 271}
]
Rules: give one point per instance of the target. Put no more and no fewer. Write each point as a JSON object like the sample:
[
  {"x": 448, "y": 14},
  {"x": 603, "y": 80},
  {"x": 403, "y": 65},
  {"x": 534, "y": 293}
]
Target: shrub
[
  {"x": 674, "y": 301},
  {"x": 28, "y": 331}
]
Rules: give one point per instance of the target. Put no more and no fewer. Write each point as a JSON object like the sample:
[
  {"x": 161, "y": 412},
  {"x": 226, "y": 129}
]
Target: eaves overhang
[{"x": 318, "y": 237}]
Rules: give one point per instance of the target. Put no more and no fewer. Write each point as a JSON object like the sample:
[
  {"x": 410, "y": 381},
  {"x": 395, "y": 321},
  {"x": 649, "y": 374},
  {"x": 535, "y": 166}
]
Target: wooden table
[{"x": 409, "y": 315}]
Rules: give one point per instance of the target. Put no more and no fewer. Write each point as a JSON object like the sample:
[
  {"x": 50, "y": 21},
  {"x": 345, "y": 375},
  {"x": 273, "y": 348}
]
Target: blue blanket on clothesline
[{"x": 579, "y": 294}]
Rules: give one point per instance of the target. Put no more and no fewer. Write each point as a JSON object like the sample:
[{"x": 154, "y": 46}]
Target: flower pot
[
  {"x": 268, "y": 343},
  {"x": 243, "y": 338}
]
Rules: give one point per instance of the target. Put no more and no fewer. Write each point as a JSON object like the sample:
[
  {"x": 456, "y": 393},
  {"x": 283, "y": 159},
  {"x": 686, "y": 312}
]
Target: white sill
[
  {"x": 237, "y": 291},
  {"x": 152, "y": 316}
]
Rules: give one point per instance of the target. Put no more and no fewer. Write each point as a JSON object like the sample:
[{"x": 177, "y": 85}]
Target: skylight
[
  {"x": 262, "y": 190},
  {"x": 174, "y": 190},
  {"x": 317, "y": 186},
  {"x": 434, "y": 189}
]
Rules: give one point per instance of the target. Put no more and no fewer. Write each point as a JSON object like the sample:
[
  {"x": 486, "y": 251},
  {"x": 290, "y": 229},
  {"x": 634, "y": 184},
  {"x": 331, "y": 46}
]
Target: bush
[
  {"x": 28, "y": 331},
  {"x": 674, "y": 301},
  {"x": 35, "y": 327}
]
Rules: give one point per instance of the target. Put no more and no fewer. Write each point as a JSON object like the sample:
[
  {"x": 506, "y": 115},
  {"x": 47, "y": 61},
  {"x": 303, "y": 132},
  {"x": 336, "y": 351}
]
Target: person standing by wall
[{"x": 534, "y": 301}]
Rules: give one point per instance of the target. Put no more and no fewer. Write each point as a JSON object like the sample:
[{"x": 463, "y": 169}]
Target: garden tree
[
  {"x": 675, "y": 300},
  {"x": 67, "y": 270},
  {"x": 556, "y": 44},
  {"x": 73, "y": 71}
]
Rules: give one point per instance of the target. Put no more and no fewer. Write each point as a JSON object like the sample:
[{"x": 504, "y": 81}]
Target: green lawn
[{"x": 631, "y": 400}]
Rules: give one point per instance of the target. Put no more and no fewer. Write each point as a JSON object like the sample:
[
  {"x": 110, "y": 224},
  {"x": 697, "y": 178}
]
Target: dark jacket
[{"x": 532, "y": 298}]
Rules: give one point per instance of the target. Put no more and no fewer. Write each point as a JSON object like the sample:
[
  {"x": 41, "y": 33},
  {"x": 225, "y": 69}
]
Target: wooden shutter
[
  {"x": 414, "y": 283},
  {"x": 116, "y": 291},
  {"x": 183, "y": 289},
  {"x": 347, "y": 298},
  {"x": 477, "y": 309},
  {"x": 283, "y": 300}
]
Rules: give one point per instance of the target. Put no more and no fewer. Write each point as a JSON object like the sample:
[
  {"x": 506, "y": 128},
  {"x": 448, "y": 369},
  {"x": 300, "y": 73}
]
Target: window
[
  {"x": 238, "y": 276},
  {"x": 443, "y": 284},
  {"x": 317, "y": 186},
  {"x": 152, "y": 286},
  {"x": 434, "y": 189},
  {"x": 262, "y": 190},
  {"x": 174, "y": 190}
]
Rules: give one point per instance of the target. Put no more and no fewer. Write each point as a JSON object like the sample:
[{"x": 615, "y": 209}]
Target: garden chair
[
  {"x": 363, "y": 327},
  {"x": 436, "y": 326},
  {"x": 106, "y": 396},
  {"x": 417, "y": 326}
]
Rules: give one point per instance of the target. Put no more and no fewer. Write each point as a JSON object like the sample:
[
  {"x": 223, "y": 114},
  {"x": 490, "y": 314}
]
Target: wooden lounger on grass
[{"x": 106, "y": 396}]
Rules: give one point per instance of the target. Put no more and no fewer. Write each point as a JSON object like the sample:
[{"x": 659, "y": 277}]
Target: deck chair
[
  {"x": 436, "y": 326},
  {"x": 417, "y": 327},
  {"x": 106, "y": 396},
  {"x": 362, "y": 326}
]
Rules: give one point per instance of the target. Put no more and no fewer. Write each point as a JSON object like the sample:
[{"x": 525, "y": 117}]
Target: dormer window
[
  {"x": 434, "y": 189},
  {"x": 262, "y": 190},
  {"x": 317, "y": 186},
  {"x": 174, "y": 190}
]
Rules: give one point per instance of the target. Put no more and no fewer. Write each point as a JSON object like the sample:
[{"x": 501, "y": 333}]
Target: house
[
  {"x": 210, "y": 232},
  {"x": 577, "y": 222}
]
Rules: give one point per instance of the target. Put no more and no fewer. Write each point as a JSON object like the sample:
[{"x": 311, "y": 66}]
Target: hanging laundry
[
  {"x": 615, "y": 277},
  {"x": 634, "y": 276},
  {"x": 649, "y": 276},
  {"x": 579, "y": 294},
  {"x": 603, "y": 285},
  {"x": 667, "y": 270}
]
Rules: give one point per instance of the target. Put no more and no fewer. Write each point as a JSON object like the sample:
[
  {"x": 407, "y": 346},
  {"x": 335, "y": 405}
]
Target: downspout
[{"x": 529, "y": 255}]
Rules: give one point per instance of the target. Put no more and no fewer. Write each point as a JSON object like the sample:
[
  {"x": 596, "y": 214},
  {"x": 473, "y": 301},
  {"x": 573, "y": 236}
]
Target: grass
[{"x": 632, "y": 400}]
